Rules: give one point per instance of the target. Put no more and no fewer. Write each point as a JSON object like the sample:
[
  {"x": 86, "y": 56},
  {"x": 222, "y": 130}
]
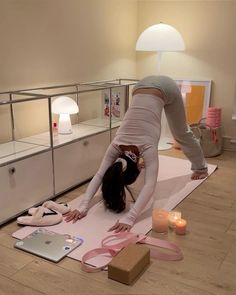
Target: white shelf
[
  {"x": 45, "y": 164},
  {"x": 14, "y": 150},
  {"x": 102, "y": 122},
  {"x": 78, "y": 131},
  {"x": 30, "y": 145}
]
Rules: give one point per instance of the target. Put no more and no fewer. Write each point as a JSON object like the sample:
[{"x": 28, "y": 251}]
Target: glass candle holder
[
  {"x": 159, "y": 220},
  {"x": 173, "y": 216},
  {"x": 180, "y": 227}
]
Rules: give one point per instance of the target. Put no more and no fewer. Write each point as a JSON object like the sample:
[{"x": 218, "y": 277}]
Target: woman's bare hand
[
  {"x": 120, "y": 227},
  {"x": 73, "y": 216}
]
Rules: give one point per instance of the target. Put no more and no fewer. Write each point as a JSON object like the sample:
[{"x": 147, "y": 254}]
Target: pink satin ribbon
[{"x": 108, "y": 246}]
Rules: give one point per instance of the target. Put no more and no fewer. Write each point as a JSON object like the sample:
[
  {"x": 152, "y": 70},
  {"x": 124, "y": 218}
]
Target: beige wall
[
  {"x": 208, "y": 28},
  {"x": 47, "y": 42},
  {"x": 58, "y": 41}
]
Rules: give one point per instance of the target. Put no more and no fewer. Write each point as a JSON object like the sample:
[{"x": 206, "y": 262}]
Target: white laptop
[{"x": 49, "y": 245}]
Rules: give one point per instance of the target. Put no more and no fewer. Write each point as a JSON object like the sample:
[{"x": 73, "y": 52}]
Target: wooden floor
[{"x": 209, "y": 265}]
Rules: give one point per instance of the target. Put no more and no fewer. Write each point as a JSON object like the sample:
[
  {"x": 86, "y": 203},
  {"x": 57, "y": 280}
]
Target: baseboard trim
[{"x": 229, "y": 144}]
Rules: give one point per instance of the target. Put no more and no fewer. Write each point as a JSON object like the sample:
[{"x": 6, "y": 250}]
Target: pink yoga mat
[{"x": 173, "y": 185}]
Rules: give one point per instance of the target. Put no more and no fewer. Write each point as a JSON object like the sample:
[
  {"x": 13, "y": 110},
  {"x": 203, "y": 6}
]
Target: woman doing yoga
[{"x": 136, "y": 138}]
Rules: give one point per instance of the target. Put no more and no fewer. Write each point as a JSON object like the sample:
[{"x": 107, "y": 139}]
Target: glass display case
[{"x": 46, "y": 143}]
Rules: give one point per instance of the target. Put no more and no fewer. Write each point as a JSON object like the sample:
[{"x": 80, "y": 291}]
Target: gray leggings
[
  {"x": 175, "y": 114},
  {"x": 176, "y": 118}
]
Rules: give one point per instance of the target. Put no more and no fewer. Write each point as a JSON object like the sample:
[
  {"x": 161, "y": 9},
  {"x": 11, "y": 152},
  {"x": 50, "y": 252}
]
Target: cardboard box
[{"x": 129, "y": 263}]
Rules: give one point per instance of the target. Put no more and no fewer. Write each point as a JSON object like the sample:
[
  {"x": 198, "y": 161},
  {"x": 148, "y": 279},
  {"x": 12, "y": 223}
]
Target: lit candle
[
  {"x": 180, "y": 226},
  {"x": 159, "y": 220},
  {"x": 173, "y": 217}
]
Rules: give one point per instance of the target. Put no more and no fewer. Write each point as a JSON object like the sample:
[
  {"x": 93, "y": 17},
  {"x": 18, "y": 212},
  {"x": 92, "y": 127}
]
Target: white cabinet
[
  {"x": 25, "y": 183},
  {"x": 78, "y": 161},
  {"x": 36, "y": 161}
]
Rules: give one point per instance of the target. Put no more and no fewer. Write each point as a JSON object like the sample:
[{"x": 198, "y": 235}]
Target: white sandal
[
  {"x": 62, "y": 208},
  {"x": 41, "y": 217}
]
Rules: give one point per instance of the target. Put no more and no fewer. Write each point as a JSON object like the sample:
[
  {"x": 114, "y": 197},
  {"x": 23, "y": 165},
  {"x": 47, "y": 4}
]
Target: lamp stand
[
  {"x": 164, "y": 142},
  {"x": 64, "y": 126},
  {"x": 159, "y": 56}
]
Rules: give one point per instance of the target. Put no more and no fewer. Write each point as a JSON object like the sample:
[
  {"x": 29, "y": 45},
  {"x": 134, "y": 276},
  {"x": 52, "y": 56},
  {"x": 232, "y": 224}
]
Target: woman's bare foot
[{"x": 198, "y": 174}]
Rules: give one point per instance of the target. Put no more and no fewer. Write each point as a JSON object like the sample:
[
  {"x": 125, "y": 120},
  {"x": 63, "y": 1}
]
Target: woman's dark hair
[{"x": 114, "y": 182}]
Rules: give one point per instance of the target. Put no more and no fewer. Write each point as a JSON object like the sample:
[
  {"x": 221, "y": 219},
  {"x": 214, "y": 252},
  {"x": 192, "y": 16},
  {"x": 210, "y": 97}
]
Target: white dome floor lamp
[
  {"x": 161, "y": 38},
  {"x": 64, "y": 106}
]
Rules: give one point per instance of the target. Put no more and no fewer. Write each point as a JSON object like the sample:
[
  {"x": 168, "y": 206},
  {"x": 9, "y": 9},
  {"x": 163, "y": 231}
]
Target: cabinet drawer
[
  {"x": 24, "y": 184},
  {"x": 79, "y": 161}
]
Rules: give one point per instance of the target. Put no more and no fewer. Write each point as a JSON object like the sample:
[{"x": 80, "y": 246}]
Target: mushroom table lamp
[{"x": 64, "y": 106}]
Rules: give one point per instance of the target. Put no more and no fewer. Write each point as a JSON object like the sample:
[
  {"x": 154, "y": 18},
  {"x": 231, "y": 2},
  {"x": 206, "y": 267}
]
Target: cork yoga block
[{"x": 129, "y": 263}]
